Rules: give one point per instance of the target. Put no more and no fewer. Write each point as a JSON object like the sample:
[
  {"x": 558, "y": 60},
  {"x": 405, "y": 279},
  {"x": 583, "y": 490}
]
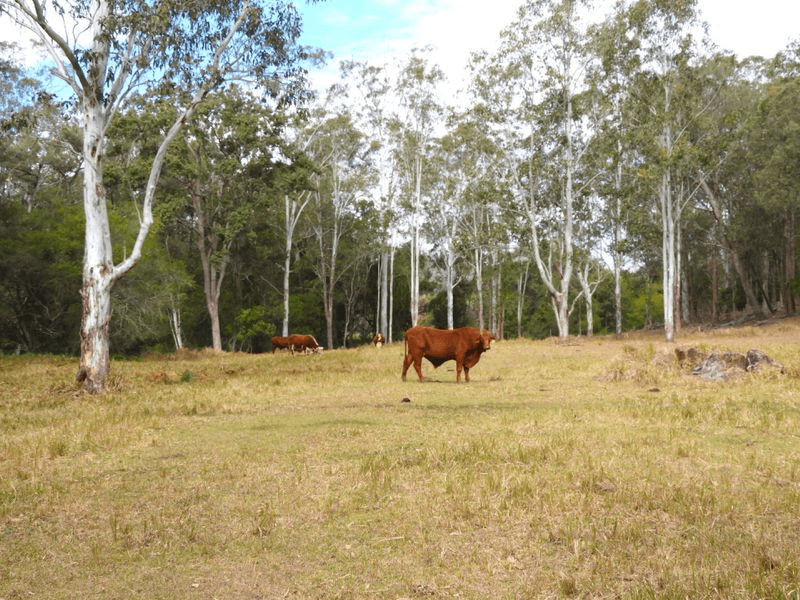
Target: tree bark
[
  {"x": 522, "y": 284},
  {"x": 212, "y": 275},
  {"x": 479, "y": 284},
  {"x": 617, "y": 253},
  {"x": 790, "y": 252}
]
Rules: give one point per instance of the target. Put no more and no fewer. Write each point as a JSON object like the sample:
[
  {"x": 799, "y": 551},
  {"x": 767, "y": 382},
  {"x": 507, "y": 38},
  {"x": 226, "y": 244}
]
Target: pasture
[{"x": 595, "y": 468}]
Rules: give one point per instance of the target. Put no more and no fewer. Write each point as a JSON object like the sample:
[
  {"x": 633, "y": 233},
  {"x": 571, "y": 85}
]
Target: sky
[
  {"x": 382, "y": 30},
  {"x": 385, "y": 30}
]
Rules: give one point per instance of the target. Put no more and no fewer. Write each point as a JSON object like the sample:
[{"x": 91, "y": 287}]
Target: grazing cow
[
  {"x": 464, "y": 345},
  {"x": 378, "y": 340},
  {"x": 280, "y": 343},
  {"x": 304, "y": 344}
]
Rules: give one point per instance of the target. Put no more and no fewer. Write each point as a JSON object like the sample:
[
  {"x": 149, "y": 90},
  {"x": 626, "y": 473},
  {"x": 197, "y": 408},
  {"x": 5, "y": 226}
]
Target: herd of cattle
[{"x": 463, "y": 345}]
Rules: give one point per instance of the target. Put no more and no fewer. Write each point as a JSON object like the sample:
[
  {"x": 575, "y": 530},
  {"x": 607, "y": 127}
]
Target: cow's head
[{"x": 486, "y": 339}]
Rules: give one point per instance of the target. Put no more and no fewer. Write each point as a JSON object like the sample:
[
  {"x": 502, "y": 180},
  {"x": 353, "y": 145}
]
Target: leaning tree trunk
[{"x": 731, "y": 248}]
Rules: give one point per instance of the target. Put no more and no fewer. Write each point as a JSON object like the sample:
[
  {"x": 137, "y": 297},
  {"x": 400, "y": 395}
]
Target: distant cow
[
  {"x": 280, "y": 343},
  {"x": 378, "y": 340},
  {"x": 464, "y": 345},
  {"x": 304, "y": 343}
]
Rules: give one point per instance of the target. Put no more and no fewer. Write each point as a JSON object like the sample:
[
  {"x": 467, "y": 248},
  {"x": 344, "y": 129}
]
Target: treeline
[{"x": 595, "y": 178}]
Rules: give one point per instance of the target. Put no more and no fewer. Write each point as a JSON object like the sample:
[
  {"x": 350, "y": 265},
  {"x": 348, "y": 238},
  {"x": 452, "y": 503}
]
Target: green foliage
[
  {"x": 252, "y": 323},
  {"x": 437, "y": 308},
  {"x": 40, "y": 277},
  {"x": 643, "y": 304}
]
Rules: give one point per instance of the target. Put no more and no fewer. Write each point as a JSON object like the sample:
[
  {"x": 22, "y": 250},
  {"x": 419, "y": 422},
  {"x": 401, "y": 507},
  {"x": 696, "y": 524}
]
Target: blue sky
[{"x": 381, "y": 30}]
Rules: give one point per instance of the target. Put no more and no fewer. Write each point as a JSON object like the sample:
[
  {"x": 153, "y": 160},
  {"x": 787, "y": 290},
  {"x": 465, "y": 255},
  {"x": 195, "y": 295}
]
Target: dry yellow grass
[{"x": 592, "y": 469}]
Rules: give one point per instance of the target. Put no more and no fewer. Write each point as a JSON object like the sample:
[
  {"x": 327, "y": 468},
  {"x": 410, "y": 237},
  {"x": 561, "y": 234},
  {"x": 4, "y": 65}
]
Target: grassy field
[{"x": 590, "y": 469}]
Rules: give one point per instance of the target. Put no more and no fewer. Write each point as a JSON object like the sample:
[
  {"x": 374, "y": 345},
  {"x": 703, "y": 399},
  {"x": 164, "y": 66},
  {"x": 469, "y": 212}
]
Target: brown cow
[
  {"x": 280, "y": 343},
  {"x": 304, "y": 343},
  {"x": 378, "y": 340},
  {"x": 464, "y": 345}
]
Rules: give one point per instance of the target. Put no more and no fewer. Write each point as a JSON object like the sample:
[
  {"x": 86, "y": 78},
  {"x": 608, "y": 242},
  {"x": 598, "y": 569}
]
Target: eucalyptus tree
[
  {"x": 590, "y": 274},
  {"x": 667, "y": 49},
  {"x": 748, "y": 183},
  {"x": 226, "y": 161},
  {"x": 611, "y": 78},
  {"x": 463, "y": 161},
  {"x": 294, "y": 186},
  {"x": 533, "y": 82},
  {"x": 104, "y": 51},
  {"x": 340, "y": 188},
  {"x": 776, "y": 142},
  {"x": 372, "y": 104},
  {"x": 725, "y": 168},
  {"x": 414, "y": 130},
  {"x": 443, "y": 222}
]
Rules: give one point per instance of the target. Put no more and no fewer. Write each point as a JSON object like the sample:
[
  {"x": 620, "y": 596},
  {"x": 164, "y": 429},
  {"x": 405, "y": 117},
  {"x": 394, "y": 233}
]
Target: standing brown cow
[
  {"x": 464, "y": 345},
  {"x": 280, "y": 343}
]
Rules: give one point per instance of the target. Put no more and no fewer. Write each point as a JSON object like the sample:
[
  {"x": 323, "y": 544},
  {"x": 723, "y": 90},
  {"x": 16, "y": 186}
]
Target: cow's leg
[
  {"x": 466, "y": 373},
  {"x": 418, "y": 367},
  {"x": 406, "y": 364}
]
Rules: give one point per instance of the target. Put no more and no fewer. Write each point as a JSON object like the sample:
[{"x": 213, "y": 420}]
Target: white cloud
[{"x": 762, "y": 28}]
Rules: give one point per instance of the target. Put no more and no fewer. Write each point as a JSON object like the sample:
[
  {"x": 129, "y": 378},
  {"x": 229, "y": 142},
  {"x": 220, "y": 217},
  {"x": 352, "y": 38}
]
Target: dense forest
[{"x": 595, "y": 177}]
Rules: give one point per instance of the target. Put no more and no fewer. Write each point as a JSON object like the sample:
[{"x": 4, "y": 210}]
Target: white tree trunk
[
  {"x": 479, "y": 284},
  {"x": 522, "y": 284},
  {"x": 391, "y": 296},
  {"x": 286, "y": 266},
  {"x": 617, "y": 252},
  {"x": 494, "y": 313},
  {"x": 99, "y": 273},
  {"x": 668, "y": 255},
  {"x": 450, "y": 281},
  {"x": 384, "y": 319},
  {"x": 588, "y": 288},
  {"x": 292, "y": 211},
  {"x": 175, "y": 326},
  {"x": 415, "y": 242}
]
